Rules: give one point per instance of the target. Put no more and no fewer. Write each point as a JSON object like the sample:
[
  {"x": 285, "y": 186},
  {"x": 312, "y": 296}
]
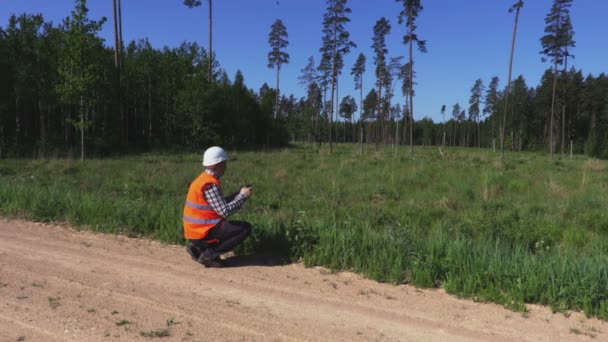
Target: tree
[
  {"x": 474, "y": 103},
  {"x": 456, "y": 110},
  {"x": 370, "y": 105},
  {"x": 406, "y": 86},
  {"x": 197, "y": 3},
  {"x": 348, "y": 106},
  {"x": 308, "y": 77},
  {"x": 443, "y": 114},
  {"x": 357, "y": 71},
  {"x": 516, "y": 7},
  {"x": 558, "y": 38},
  {"x": 491, "y": 105},
  {"x": 315, "y": 103},
  {"x": 22, "y": 45},
  {"x": 411, "y": 10},
  {"x": 461, "y": 118},
  {"x": 520, "y": 108},
  {"x": 276, "y": 57},
  {"x": 381, "y": 29},
  {"x": 118, "y": 49},
  {"x": 79, "y": 72},
  {"x": 336, "y": 43}
]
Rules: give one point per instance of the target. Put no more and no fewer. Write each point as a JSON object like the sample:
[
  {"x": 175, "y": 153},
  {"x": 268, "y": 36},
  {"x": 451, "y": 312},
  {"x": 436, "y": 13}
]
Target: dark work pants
[{"x": 223, "y": 238}]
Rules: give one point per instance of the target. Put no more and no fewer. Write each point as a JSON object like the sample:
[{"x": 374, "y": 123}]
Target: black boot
[
  {"x": 209, "y": 262},
  {"x": 194, "y": 251}
]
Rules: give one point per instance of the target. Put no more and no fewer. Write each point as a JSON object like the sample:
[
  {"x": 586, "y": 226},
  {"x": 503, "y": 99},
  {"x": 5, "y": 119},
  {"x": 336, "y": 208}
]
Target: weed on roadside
[
  {"x": 123, "y": 322},
  {"x": 155, "y": 333},
  {"x": 54, "y": 302}
]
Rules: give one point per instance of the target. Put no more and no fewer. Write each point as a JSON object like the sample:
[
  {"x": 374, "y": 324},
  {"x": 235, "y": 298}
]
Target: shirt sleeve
[{"x": 215, "y": 198}]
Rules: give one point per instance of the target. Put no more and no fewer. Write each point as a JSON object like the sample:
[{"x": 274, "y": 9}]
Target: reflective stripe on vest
[
  {"x": 198, "y": 206},
  {"x": 201, "y": 221}
]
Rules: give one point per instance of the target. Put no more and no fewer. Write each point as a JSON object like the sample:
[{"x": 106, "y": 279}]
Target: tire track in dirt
[{"x": 64, "y": 284}]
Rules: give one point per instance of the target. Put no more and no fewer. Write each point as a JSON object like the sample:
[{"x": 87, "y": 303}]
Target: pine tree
[
  {"x": 381, "y": 29},
  {"x": 336, "y": 43},
  {"x": 456, "y": 110},
  {"x": 409, "y": 14},
  {"x": 474, "y": 103},
  {"x": 556, "y": 44},
  {"x": 491, "y": 105},
  {"x": 516, "y": 7},
  {"x": 357, "y": 71},
  {"x": 308, "y": 78},
  {"x": 443, "y": 124},
  {"x": 277, "y": 57}
]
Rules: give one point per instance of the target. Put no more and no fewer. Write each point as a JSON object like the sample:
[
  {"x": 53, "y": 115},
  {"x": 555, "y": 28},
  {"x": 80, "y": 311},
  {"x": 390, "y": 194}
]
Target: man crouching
[{"x": 206, "y": 209}]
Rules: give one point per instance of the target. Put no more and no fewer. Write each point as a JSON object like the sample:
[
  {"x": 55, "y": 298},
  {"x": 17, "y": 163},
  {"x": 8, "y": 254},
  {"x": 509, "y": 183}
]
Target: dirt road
[{"x": 57, "y": 283}]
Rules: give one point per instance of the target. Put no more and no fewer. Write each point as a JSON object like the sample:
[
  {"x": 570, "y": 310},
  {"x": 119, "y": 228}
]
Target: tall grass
[{"x": 522, "y": 230}]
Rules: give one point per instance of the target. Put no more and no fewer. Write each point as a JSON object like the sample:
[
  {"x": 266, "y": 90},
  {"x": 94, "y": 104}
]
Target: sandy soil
[{"x": 57, "y": 283}]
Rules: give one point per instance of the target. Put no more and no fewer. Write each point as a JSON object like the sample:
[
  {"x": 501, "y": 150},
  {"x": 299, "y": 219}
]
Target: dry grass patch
[
  {"x": 555, "y": 189},
  {"x": 594, "y": 165},
  {"x": 280, "y": 174},
  {"x": 448, "y": 203}
]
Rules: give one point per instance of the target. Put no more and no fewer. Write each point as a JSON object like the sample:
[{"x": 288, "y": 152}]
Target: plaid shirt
[{"x": 223, "y": 206}]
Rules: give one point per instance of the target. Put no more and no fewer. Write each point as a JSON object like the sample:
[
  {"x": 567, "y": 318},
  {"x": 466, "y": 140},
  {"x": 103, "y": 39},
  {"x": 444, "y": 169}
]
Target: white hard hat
[{"x": 214, "y": 155}]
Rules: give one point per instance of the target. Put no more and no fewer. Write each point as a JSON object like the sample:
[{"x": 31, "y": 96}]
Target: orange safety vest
[{"x": 199, "y": 217}]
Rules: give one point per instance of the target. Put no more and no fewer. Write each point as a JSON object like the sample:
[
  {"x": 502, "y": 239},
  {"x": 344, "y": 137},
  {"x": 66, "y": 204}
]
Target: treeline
[
  {"x": 60, "y": 91},
  {"x": 581, "y": 117},
  {"x": 65, "y": 92}
]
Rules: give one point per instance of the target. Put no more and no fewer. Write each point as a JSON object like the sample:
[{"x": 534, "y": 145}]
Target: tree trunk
[
  {"x": 116, "y": 5},
  {"x": 443, "y": 143},
  {"x": 552, "y": 110},
  {"x": 493, "y": 131},
  {"x": 150, "y": 108},
  {"x": 563, "y": 129},
  {"x": 210, "y": 43},
  {"x": 379, "y": 115},
  {"x": 396, "y": 142},
  {"x": 333, "y": 81},
  {"x": 276, "y": 110},
  {"x": 337, "y": 106},
  {"x": 120, "y": 27},
  {"x": 116, "y": 41},
  {"x": 521, "y": 137},
  {"x": 361, "y": 138},
  {"x": 81, "y": 129},
  {"x": 42, "y": 126},
  {"x": 360, "y": 110},
  {"x": 411, "y": 84},
  {"x": 504, "y": 118},
  {"x": 478, "y": 134}
]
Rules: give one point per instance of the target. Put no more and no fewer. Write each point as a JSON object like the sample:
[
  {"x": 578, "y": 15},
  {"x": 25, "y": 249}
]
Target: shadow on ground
[{"x": 254, "y": 260}]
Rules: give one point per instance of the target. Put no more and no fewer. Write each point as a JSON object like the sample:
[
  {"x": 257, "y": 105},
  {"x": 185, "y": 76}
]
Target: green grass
[
  {"x": 155, "y": 333},
  {"x": 522, "y": 230}
]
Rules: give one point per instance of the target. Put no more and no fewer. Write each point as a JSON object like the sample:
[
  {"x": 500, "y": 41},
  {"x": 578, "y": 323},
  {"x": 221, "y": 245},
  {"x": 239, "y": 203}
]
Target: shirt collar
[{"x": 210, "y": 172}]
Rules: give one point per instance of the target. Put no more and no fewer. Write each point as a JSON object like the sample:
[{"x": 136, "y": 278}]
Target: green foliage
[
  {"x": 64, "y": 74},
  {"x": 521, "y": 230},
  {"x": 277, "y": 39}
]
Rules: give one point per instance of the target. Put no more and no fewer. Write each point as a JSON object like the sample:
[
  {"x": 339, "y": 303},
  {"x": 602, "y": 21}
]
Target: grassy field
[{"x": 526, "y": 230}]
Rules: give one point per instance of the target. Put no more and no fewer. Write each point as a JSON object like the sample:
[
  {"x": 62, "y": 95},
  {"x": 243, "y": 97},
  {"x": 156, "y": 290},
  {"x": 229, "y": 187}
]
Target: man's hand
[{"x": 246, "y": 191}]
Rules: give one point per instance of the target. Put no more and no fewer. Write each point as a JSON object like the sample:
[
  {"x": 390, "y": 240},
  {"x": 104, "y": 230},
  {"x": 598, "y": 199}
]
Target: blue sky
[{"x": 466, "y": 39}]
